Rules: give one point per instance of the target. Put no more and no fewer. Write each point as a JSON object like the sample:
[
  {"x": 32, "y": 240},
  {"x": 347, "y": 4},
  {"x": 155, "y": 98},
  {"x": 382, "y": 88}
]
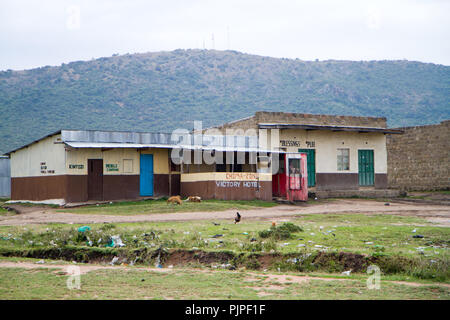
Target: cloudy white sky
[{"x": 50, "y": 32}]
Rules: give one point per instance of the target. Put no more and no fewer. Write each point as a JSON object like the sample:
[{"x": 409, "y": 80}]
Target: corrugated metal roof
[
  {"x": 109, "y": 145},
  {"x": 129, "y": 139}
]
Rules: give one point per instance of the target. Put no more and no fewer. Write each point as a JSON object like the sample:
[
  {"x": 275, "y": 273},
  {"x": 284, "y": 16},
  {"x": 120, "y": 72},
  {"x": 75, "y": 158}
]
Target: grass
[
  {"x": 135, "y": 283},
  {"x": 161, "y": 206},
  {"x": 3, "y": 211},
  {"x": 386, "y": 238},
  {"x": 364, "y": 234}
]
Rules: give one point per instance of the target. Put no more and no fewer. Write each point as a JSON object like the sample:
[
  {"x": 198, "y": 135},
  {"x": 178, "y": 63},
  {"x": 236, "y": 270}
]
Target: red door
[{"x": 296, "y": 177}]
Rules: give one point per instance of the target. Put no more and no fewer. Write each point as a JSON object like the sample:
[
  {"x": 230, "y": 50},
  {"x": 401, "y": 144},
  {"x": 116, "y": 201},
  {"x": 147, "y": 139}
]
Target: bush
[{"x": 281, "y": 232}]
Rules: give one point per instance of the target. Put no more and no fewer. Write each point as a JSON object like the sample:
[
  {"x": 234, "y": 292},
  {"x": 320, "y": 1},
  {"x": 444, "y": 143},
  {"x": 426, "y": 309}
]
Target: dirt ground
[
  {"x": 436, "y": 213},
  {"x": 279, "y": 278}
]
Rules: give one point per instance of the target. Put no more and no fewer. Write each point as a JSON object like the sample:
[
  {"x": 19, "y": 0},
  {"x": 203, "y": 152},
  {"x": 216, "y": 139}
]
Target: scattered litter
[
  {"x": 40, "y": 262},
  {"x": 414, "y": 231},
  {"x": 321, "y": 227},
  {"x": 252, "y": 239},
  {"x": 114, "y": 260},
  {"x": 369, "y": 242},
  {"x": 245, "y": 233},
  {"x": 301, "y": 245},
  {"x": 216, "y": 224},
  {"x": 293, "y": 260},
  {"x": 347, "y": 273},
  {"x": 318, "y": 246},
  {"x": 84, "y": 229},
  {"x": 186, "y": 232},
  {"x": 170, "y": 267},
  {"x": 312, "y": 234},
  {"x": 418, "y": 236},
  {"x": 117, "y": 242},
  {"x": 387, "y": 204},
  {"x": 217, "y": 235}
]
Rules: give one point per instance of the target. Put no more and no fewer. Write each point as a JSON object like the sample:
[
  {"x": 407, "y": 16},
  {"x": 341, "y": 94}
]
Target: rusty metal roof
[
  {"x": 129, "y": 139},
  {"x": 327, "y": 127}
]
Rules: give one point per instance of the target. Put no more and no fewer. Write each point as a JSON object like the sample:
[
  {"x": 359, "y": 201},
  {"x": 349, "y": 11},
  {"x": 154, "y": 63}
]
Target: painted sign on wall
[
  {"x": 112, "y": 167},
  {"x": 238, "y": 184},
  {"x": 297, "y": 143}
]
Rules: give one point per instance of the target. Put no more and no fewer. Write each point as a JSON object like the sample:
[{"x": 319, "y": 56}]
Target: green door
[
  {"x": 365, "y": 167},
  {"x": 311, "y": 165}
]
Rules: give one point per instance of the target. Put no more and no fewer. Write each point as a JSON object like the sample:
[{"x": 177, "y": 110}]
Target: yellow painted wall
[
  {"x": 26, "y": 162},
  {"x": 327, "y": 144},
  {"x": 225, "y": 176},
  {"x": 116, "y": 157}
]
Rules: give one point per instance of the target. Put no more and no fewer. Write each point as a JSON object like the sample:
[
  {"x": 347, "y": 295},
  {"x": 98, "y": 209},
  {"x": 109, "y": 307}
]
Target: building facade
[
  {"x": 261, "y": 157},
  {"x": 77, "y": 166},
  {"x": 343, "y": 152}
]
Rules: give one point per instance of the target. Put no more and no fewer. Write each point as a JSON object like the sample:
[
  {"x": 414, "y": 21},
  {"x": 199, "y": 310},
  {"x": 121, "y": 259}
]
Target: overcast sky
[{"x": 50, "y": 32}]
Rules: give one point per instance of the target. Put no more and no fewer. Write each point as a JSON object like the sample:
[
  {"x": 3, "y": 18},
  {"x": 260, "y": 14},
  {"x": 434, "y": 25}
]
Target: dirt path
[
  {"x": 278, "y": 278},
  {"x": 439, "y": 214}
]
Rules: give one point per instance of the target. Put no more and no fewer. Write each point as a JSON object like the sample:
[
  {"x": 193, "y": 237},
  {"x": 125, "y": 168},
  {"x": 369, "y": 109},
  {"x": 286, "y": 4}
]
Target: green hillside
[{"x": 162, "y": 91}]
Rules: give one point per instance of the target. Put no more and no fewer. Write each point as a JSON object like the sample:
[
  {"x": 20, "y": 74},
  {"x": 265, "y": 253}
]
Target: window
[
  {"x": 343, "y": 159},
  {"x": 128, "y": 165}
]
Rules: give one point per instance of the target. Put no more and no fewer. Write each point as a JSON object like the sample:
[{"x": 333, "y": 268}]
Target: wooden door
[{"x": 95, "y": 179}]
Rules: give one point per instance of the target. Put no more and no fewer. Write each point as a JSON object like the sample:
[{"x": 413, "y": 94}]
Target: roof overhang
[
  {"x": 330, "y": 128},
  {"x": 111, "y": 145}
]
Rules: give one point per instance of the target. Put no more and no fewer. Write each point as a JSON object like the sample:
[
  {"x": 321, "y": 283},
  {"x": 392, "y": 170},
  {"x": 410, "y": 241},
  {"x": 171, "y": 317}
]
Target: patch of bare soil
[{"x": 41, "y": 215}]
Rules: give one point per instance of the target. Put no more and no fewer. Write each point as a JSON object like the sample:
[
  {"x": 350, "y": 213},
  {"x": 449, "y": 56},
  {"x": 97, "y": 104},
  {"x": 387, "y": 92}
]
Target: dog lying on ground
[
  {"x": 194, "y": 199},
  {"x": 174, "y": 199}
]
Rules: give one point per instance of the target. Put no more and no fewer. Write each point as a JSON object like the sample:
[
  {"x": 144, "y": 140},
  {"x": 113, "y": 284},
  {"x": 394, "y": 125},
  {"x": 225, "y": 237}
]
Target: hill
[{"x": 162, "y": 91}]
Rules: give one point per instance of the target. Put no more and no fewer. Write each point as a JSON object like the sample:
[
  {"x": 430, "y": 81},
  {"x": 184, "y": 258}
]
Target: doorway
[{"x": 95, "y": 179}]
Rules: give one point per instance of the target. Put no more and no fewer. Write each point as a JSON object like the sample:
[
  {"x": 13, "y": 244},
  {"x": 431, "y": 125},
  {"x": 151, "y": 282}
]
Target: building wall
[
  {"x": 227, "y": 185},
  {"x": 5, "y": 177},
  {"x": 38, "y": 171},
  {"x": 326, "y": 144},
  {"x": 120, "y": 183},
  {"x": 419, "y": 159},
  {"x": 42, "y": 159},
  {"x": 46, "y": 170}
]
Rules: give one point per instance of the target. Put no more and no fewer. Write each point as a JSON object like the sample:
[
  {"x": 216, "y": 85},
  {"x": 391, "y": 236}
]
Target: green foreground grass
[
  {"x": 424, "y": 260},
  {"x": 356, "y": 233},
  {"x": 161, "y": 206},
  {"x": 137, "y": 283}
]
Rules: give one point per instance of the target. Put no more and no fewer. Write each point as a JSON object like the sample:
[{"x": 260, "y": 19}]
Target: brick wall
[
  {"x": 303, "y": 118},
  {"x": 419, "y": 159}
]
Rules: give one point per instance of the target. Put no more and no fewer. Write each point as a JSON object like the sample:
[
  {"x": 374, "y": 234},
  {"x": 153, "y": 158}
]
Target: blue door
[{"x": 146, "y": 175}]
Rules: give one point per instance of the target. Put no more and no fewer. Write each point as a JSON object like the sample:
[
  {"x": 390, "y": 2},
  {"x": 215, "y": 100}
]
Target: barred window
[{"x": 343, "y": 159}]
